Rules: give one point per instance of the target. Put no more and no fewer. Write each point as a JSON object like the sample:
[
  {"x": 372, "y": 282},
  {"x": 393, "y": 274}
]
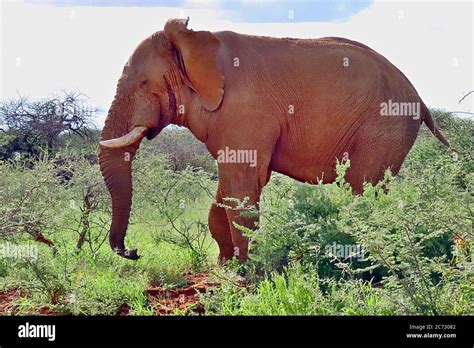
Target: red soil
[
  {"x": 165, "y": 301},
  {"x": 8, "y": 304},
  {"x": 7, "y": 300},
  {"x": 186, "y": 299}
]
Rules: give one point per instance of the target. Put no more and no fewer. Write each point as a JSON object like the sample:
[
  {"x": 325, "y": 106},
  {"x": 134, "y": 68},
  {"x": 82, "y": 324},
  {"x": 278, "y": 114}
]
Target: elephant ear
[{"x": 198, "y": 52}]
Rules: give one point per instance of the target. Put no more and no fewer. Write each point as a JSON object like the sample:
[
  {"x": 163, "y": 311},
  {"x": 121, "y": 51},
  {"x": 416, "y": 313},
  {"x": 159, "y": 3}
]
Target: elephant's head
[{"x": 147, "y": 99}]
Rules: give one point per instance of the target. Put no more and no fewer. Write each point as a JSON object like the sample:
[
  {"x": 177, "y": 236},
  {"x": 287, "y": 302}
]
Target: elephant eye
[{"x": 143, "y": 83}]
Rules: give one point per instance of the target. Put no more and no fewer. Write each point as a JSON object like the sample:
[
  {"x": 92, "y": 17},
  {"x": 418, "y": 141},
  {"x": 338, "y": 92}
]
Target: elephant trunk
[{"x": 115, "y": 165}]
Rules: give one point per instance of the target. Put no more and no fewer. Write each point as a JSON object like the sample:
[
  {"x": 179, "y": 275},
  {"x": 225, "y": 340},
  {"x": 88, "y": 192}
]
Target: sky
[{"x": 51, "y": 45}]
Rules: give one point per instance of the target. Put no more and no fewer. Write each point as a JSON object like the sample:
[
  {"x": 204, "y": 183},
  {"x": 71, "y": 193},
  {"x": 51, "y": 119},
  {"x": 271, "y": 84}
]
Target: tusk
[{"x": 136, "y": 134}]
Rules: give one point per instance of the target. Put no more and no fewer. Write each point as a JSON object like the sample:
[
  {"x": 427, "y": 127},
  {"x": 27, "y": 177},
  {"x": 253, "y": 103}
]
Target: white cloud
[{"x": 49, "y": 48}]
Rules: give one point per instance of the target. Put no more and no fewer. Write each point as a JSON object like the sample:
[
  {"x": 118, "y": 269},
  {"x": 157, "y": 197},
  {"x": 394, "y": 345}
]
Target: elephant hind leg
[{"x": 220, "y": 229}]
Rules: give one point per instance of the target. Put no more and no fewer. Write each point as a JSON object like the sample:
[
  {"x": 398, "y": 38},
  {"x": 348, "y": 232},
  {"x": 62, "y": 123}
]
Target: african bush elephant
[{"x": 260, "y": 104}]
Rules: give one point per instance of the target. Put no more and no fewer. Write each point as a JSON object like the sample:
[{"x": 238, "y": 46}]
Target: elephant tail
[{"x": 428, "y": 119}]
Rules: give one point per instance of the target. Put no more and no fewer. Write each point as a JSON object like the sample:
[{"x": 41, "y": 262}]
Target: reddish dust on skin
[{"x": 186, "y": 299}]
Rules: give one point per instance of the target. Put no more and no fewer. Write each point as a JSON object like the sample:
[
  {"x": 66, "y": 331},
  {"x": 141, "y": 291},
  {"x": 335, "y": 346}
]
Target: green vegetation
[{"x": 409, "y": 239}]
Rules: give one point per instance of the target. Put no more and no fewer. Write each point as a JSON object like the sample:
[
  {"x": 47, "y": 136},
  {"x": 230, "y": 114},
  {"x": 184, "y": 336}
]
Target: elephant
[{"x": 260, "y": 105}]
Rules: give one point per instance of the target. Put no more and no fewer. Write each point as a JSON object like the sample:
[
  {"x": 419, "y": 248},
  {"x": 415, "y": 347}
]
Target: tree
[{"x": 27, "y": 126}]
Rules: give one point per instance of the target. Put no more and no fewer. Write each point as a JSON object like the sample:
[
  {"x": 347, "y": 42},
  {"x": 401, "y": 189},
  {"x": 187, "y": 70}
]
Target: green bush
[
  {"x": 301, "y": 225},
  {"x": 297, "y": 291}
]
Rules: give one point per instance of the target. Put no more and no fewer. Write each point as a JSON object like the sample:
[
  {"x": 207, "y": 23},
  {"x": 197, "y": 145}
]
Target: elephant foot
[
  {"x": 127, "y": 254},
  {"x": 224, "y": 257}
]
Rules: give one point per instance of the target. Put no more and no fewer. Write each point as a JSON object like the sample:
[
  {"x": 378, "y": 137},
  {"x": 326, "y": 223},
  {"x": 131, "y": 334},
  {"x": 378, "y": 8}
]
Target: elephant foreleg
[
  {"x": 220, "y": 230},
  {"x": 245, "y": 184}
]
